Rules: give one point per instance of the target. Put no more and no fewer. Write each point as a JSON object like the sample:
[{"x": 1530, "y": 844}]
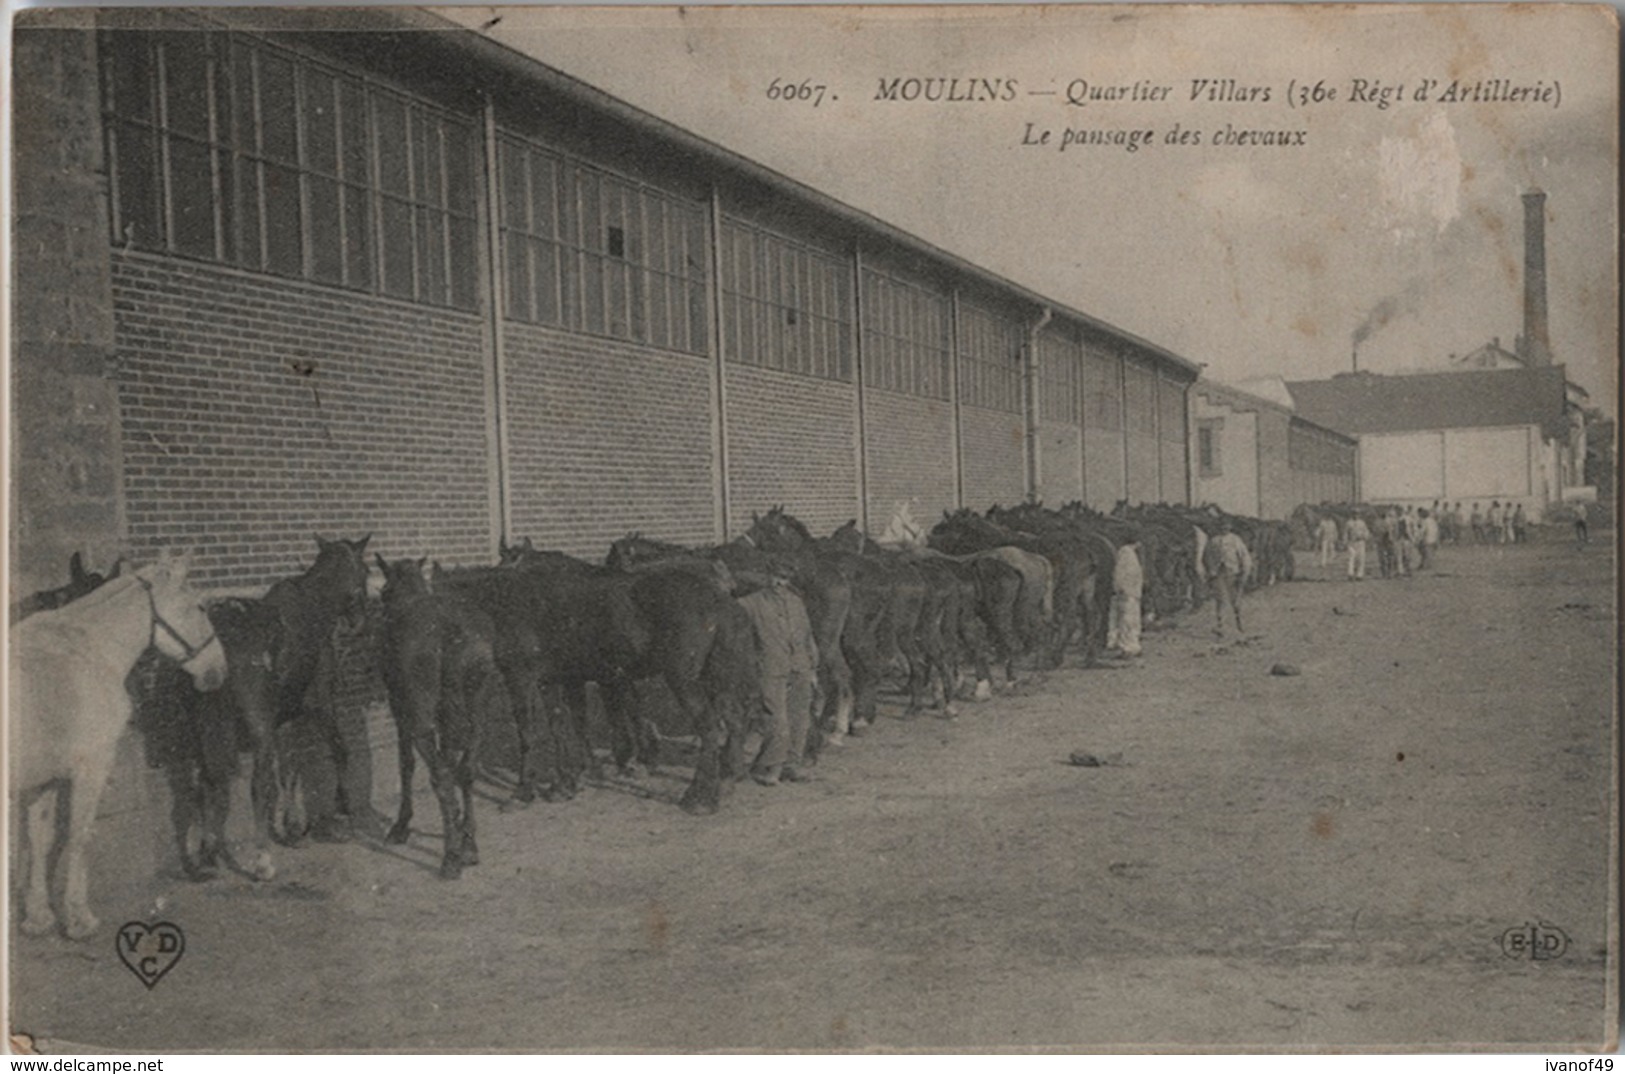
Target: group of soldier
[
  {"x": 1407, "y": 539},
  {"x": 1226, "y": 564}
]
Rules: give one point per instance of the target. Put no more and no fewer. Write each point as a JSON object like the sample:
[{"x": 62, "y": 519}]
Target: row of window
[
  {"x": 1102, "y": 391},
  {"x": 905, "y": 337},
  {"x": 1058, "y": 380},
  {"x": 990, "y": 349},
  {"x": 595, "y": 253},
  {"x": 226, "y": 148},
  {"x": 785, "y": 306}
]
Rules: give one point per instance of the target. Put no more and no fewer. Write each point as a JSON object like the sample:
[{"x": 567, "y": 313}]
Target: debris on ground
[
  {"x": 1285, "y": 670},
  {"x": 1083, "y": 759}
]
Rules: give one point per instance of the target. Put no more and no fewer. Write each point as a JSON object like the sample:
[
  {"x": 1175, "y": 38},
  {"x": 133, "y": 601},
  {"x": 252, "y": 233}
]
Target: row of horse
[{"x": 463, "y": 650}]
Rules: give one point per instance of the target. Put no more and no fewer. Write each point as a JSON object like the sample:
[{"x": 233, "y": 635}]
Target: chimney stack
[{"x": 1536, "y": 349}]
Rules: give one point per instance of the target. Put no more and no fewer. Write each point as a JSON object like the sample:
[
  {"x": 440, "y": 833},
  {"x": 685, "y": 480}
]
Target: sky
[{"x": 1401, "y": 225}]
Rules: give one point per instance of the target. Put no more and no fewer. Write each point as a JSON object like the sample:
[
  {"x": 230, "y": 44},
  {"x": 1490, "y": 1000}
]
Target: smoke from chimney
[{"x": 1536, "y": 348}]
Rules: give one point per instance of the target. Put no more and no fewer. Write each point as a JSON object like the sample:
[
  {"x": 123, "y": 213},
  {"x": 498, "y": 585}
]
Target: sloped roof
[
  {"x": 1490, "y": 356},
  {"x": 1372, "y": 403}
]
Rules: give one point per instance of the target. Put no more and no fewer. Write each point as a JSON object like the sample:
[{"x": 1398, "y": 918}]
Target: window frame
[
  {"x": 899, "y": 317},
  {"x": 350, "y": 256},
  {"x": 563, "y": 271},
  {"x": 1210, "y": 434},
  {"x": 786, "y": 305}
]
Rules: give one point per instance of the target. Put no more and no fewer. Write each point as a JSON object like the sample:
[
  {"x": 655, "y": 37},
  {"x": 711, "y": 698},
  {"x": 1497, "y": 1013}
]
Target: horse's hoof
[
  {"x": 514, "y": 805},
  {"x": 264, "y": 868},
  {"x": 949, "y": 712},
  {"x": 330, "y": 831},
  {"x": 698, "y": 805},
  {"x": 38, "y": 926},
  {"x": 984, "y": 690},
  {"x": 451, "y": 869},
  {"x": 399, "y": 833},
  {"x": 81, "y": 925},
  {"x": 471, "y": 853},
  {"x": 558, "y": 794},
  {"x": 198, "y": 874}
]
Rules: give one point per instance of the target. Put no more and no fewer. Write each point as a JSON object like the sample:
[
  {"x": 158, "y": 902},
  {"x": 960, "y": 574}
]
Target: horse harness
[{"x": 160, "y": 623}]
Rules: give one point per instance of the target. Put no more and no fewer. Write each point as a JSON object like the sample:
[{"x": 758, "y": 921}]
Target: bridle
[{"x": 160, "y": 623}]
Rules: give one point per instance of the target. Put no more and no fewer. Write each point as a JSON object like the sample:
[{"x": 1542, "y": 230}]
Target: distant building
[
  {"x": 1251, "y": 455},
  {"x": 1483, "y": 434}
]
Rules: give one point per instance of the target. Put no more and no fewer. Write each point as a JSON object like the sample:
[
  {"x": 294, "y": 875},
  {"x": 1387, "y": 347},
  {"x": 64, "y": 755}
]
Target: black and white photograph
[{"x": 968, "y": 528}]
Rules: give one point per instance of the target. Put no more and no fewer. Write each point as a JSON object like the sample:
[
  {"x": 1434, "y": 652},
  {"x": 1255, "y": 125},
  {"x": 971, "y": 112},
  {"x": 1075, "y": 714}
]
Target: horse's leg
[
  {"x": 704, "y": 794},
  {"x": 84, "y": 796},
  {"x": 39, "y": 823},
  {"x": 464, "y": 769},
  {"x": 402, "y": 828},
  {"x": 443, "y": 781},
  {"x": 580, "y": 755},
  {"x": 187, "y": 806},
  {"x": 839, "y": 686},
  {"x": 620, "y": 706},
  {"x": 525, "y": 703}
]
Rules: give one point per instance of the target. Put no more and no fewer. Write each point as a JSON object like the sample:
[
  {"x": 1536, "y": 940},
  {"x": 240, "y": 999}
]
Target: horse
[
  {"x": 1083, "y": 570},
  {"x": 195, "y": 738},
  {"x": 439, "y": 667},
  {"x": 275, "y": 648},
  {"x": 824, "y": 587},
  {"x": 80, "y": 582},
  {"x": 1019, "y": 610},
  {"x": 68, "y": 711},
  {"x": 310, "y": 607},
  {"x": 919, "y": 636},
  {"x": 878, "y": 610},
  {"x": 563, "y": 622}
]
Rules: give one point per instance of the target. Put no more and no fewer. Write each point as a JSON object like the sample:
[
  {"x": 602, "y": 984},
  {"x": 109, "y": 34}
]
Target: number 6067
[{"x": 806, "y": 91}]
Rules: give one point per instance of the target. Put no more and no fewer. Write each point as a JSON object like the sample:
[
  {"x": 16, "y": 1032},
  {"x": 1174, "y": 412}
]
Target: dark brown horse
[
  {"x": 823, "y": 584},
  {"x": 275, "y": 649},
  {"x": 925, "y": 644},
  {"x": 80, "y": 582},
  {"x": 564, "y": 623},
  {"x": 885, "y": 608},
  {"x": 439, "y": 667}
]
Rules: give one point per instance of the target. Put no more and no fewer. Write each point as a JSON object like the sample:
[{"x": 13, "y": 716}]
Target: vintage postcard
[{"x": 833, "y": 529}]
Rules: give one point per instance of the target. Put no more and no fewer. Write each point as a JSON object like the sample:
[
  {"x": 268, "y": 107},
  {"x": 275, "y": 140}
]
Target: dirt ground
[{"x": 1264, "y": 862}]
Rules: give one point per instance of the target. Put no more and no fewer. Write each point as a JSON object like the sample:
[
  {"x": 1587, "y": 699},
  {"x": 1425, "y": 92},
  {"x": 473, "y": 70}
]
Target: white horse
[{"x": 69, "y": 709}]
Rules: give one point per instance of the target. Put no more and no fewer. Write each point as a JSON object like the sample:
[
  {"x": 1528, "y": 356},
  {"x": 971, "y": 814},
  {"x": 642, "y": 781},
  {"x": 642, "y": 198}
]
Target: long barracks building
[{"x": 283, "y": 272}]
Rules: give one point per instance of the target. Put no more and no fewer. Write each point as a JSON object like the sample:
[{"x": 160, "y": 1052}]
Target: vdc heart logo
[{"x": 150, "y": 951}]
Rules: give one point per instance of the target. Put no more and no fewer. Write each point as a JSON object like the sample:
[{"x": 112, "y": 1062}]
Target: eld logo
[
  {"x": 150, "y": 951},
  {"x": 1539, "y": 942}
]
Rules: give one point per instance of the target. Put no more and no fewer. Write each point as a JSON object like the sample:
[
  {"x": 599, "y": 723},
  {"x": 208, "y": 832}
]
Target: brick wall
[
  {"x": 991, "y": 455},
  {"x": 606, "y": 437},
  {"x": 791, "y": 441},
  {"x": 1060, "y": 470},
  {"x": 910, "y": 448},
  {"x": 1276, "y": 495},
  {"x": 1174, "y": 488},
  {"x": 1102, "y": 467},
  {"x": 64, "y": 421},
  {"x": 1143, "y": 485},
  {"x": 258, "y": 411}
]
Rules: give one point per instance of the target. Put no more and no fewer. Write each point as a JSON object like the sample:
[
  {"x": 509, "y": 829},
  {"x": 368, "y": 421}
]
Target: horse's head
[
  {"x": 340, "y": 572},
  {"x": 514, "y": 555},
  {"x": 778, "y": 530},
  {"x": 180, "y": 627},
  {"x": 403, "y": 578}
]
